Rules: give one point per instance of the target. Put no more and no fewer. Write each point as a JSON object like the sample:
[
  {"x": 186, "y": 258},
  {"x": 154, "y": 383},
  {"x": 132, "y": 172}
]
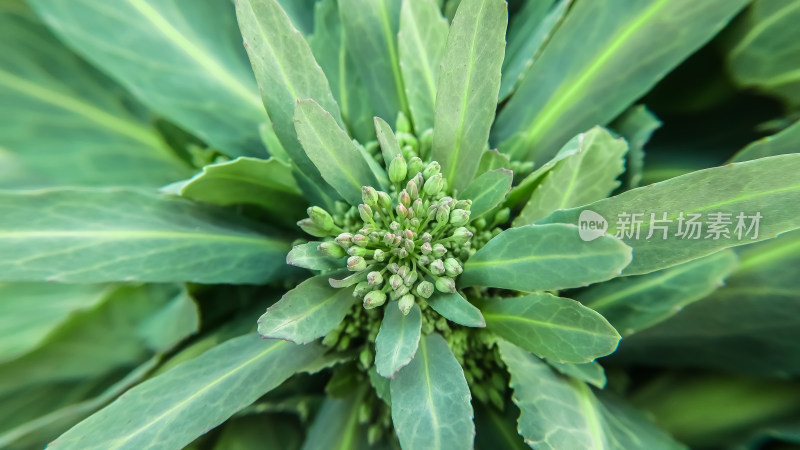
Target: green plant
[{"x": 435, "y": 286}]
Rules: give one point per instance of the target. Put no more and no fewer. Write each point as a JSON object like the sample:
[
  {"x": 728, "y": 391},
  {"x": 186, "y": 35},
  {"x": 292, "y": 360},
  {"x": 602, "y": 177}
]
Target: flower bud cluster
[{"x": 402, "y": 245}]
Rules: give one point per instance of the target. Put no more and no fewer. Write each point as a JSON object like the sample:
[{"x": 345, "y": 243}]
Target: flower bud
[
  {"x": 404, "y": 271},
  {"x": 426, "y": 237},
  {"x": 463, "y": 204},
  {"x": 502, "y": 216},
  {"x": 393, "y": 267},
  {"x": 415, "y": 165},
  {"x": 384, "y": 201},
  {"x": 405, "y": 304},
  {"x": 412, "y": 189},
  {"x": 438, "y": 251},
  {"x": 433, "y": 185},
  {"x": 425, "y": 289},
  {"x": 395, "y": 226},
  {"x": 402, "y": 290},
  {"x": 330, "y": 248},
  {"x": 395, "y": 281},
  {"x": 432, "y": 211},
  {"x": 414, "y": 223},
  {"x": 344, "y": 239},
  {"x": 320, "y": 217},
  {"x": 452, "y": 267},
  {"x": 379, "y": 255},
  {"x": 360, "y": 240},
  {"x": 408, "y": 245},
  {"x": 311, "y": 228},
  {"x": 365, "y": 212},
  {"x": 409, "y": 234},
  {"x": 446, "y": 285},
  {"x": 424, "y": 260},
  {"x": 388, "y": 238},
  {"x": 401, "y": 252},
  {"x": 402, "y": 125},
  {"x": 356, "y": 251},
  {"x": 398, "y": 169},
  {"x": 361, "y": 289},
  {"x": 369, "y": 195},
  {"x": 374, "y": 299},
  {"x": 459, "y": 217},
  {"x": 356, "y": 264},
  {"x": 374, "y": 278},
  {"x": 479, "y": 223},
  {"x": 410, "y": 279},
  {"x": 462, "y": 235},
  {"x": 426, "y": 142},
  {"x": 426, "y": 248},
  {"x": 443, "y": 214},
  {"x": 402, "y": 211},
  {"x": 437, "y": 267},
  {"x": 431, "y": 169}
]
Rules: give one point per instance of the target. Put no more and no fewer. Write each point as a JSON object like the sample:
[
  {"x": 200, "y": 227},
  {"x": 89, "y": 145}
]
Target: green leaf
[
  {"x": 257, "y": 431},
  {"x": 591, "y": 373},
  {"x": 528, "y": 32},
  {"x": 336, "y": 157},
  {"x": 381, "y": 385},
  {"x": 487, "y": 191},
  {"x": 371, "y": 41},
  {"x": 634, "y": 303},
  {"x": 586, "y": 176},
  {"x": 301, "y": 12},
  {"x": 456, "y": 308},
  {"x": 52, "y": 99},
  {"x": 497, "y": 429},
  {"x": 431, "y": 400},
  {"x": 390, "y": 148},
  {"x": 337, "y": 427},
  {"x": 751, "y": 325},
  {"x": 469, "y": 80},
  {"x": 765, "y": 49},
  {"x": 768, "y": 186},
  {"x": 227, "y": 377},
  {"x": 267, "y": 184},
  {"x": 176, "y": 320},
  {"x": 636, "y": 125},
  {"x": 597, "y": 45},
  {"x": 558, "y": 329},
  {"x": 562, "y": 412},
  {"x": 170, "y": 62},
  {"x": 397, "y": 339},
  {"x": 308, "y": 256},
  {"x": 67, "y": 235},
  {"x": 543, "y": 258},
  {"x": 31, "y": 312},
  {"x": 286, "y": 72},
  {"x": 491, "y": 160},
  {"x": 421, "y": 42},
  {"x": 307, "y": 312},
  {"x": 787, "y": 141}
]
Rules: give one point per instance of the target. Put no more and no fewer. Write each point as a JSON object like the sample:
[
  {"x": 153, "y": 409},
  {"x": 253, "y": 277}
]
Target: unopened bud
[
  {"x": 402, "y": 211},
  {"x": 425, "y": 289},
  {"x": 437, "y": 267},
  {"x": 374, "y": 299},
  {"x": 462, "y": 235},
  {"x": 402, "y": 290},
  {"x": 412, "y": 189},
  {"x": 312, "y": 228},
  {"x": 360, "y": 240},
  {"x": 401, "y": 252},
  {"x": 344, "y": 239},
  {"x": 431, "y": 169},
  {"x": 356, "y": 251},
  {"x": 356, "y": 264},
  {"x": 452, "y": 267},
  {"x": 463, "y": 204},
  {"x": 374, "y": 278},
  {"x": 408, "y": 244},
  {"x": 446, "y": 285},
  {"x": 330, "y": 248},
  {"x": 402, "y": 125},
  {"x": 365, "y": 212},
  {"x": 384, "y": 201},
  {"x": 426, "y": 142},
  {"x": 415, "y": 165},
  {"x": 361, "y": 289},
  {"x": 426, "y": 237},
  {"x": 410, "y": 279},
  {"x": 433, "y": 184},
  {"x": 320, "y": 217},
  {"x": 379, "y": 255},
  {"x": 393, "y": 267},
  {"x": 443, "y": 214},
  {"x": 424, "y": 260},
  {"x": 502, "y": 216},
  {"x": 369, "y": 195},
  {"x": 459, "y": 217},
  {"x": 404, "y": 271},
  {"x": 438, "y": 251},
  {"x": 426, "y": 248},
  {"x": 395, "y": 226},
  {"x": 395, "y": 281},
  {"x": 405, "y": 304},
  {"x": 398, "y": 169},
  {"x": 388, "y": 238}
]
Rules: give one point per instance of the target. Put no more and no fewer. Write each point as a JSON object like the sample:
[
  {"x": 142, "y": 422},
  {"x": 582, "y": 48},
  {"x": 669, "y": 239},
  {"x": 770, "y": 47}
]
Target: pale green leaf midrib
[
  {"x": 212, "y": 66},
  {"x": 761, "y": 26},
  {"x": 423, "y": 55},
  {"x": 504, "y": 262},
  {"x": 563, "y": 97},
  {"x": 512, "y": 318},
  {"x": 119, "y": 442},
  {"x": 386, "y": 27},
  {"x": 343, "y": 167},
  {"x": 590, "y": 413},
  {"x": 638, "y": 288},
  {"x": 122, "y": 235},
  {"x": 306, "y": 313},
  {"x": 423, "y": 347},
  {"x": 748, "y": 263}
]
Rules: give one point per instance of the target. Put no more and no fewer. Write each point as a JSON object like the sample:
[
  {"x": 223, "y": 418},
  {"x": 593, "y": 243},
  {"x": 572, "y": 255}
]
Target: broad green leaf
[
  {"x": 192, "y": 398},
  {"x": 469, "y": 80},
  {"x": 267, "y": 184},
  {"x": 381, "y": 385},
  {"x": 390, "y": 148},
  {"x": 31, "y": 312},
  {"x": 765, "y": 49},
  {"x": 336, "y": 425},
  {"x": 53, "y": 100},
  {"x": 624, "y": 47},
  {"x": 558, "y": 329},
  {"x": 397, "y": 339},
  {"x": 301, "y": 12},
  {"x": 495, "y": 429},
  {"x": 787, "y": 141},
  {"x": 591, "y": 373},
  {"x": 750, "y": 325},
  {"x": 586, "y": 176},
  {"x": 258, "y": 431},
  {"x": 176, "y": 320},
  {"x": 308, "y": 256},
  {"x": 421, "y": 41},
  {"x": 767, "y": 186},
  {"x": 528, "y": 32},
  {"x": 68, "y": 235},
  {"x": 307, "y": 312},
  {"x": 456, "y": 308},
  {"x": 491, "y": 160},
  {"x": 561, "y": 412},
  {"x": 431, "y": 400},
  {"x": 634, "y": 303},
  {"x": 336, "y": 157},
  {"x": 328, "y": 45},
  {"x": 79, "y": 348},
  {"x": 165, "y": 56},
  {"x": 636, "y": 125},
  {"x": 487, "y": 191},
  {"x": 370, "y": 31},
  {"x": 286, "y": 72},
  {"x": 543, "y": 258}
]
